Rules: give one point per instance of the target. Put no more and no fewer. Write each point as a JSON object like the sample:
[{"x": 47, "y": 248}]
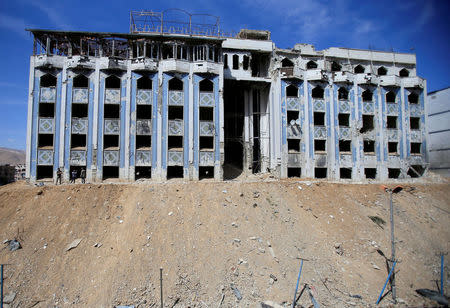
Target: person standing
[
  {"x": 58, "y": 176},
  {"x": 73, "y": 176},
  {"x": 83, "y": 176}
]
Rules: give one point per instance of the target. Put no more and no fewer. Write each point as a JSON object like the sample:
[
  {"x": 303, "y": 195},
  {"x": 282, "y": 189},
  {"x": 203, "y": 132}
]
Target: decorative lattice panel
[
  {"x": 176, "y": 98},
  {"x": 112, "y": 127},
  {"x": 293, "y": 103},
  {"x": 78, "y": 158},
  {"x": 45, "y": 157},
  {"x": 111, "y": 158},
  {"x": 143, "y": 127},
  {"x": 79, "y": 126},
  {"x": 143, "y": 158},
  {"x": 344, "y": 107},
  {"x": 320, "y": 132},
  {"x": 175, "y": 158},
  {"x": 344, "y": 133},
  {"x": 144, "y": 97},
  {"x": 294, "y": 132},
  {"x": 176, "y": 128},
  {"x": 319, "y": 105},
  {"x": 206, "y": 128},
  {"x": 47, "y": 95},
  {"x": 416, "y": 135},
  {"x": 206, "y": 99},
  {"x": 80, "y": 96},
  {"x": 206, "y": 159},
  {"x": 415, "y": 110},
  {"x": 46, "y": 126},
  {"x": 112, "y": 96},
  {"x": 392, "y": 134},
  {"x": 368, "y": 107},
  {"x": 392, "y": 109}
]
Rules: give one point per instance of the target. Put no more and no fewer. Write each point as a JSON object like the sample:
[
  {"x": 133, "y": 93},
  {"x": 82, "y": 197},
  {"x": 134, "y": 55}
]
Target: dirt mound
[{"x": 207, "y": 236}]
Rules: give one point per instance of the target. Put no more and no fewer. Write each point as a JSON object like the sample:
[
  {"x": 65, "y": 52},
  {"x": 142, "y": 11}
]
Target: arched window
[
  {"x": 287, "y": 63},
  {"x": 317, "y": 92},
  {"x": 404, "y": 73},
  {"x": 144, "y": 83},
  {"x": 342, "y": 93},
  {"x": 311, "y": 65},
  {"x": 48, "y": 81},
  {"x": 175, "y": 84},
  {"x": 225, "y": 61},
  {"x": 80, "y": 81},
  {"x": 112, "y": 82},
  {"x": 335, "y": 67},
  {"x": 292, "y": 91},
  {"x": 382, "y": 71},
  {"x": 206, "y": 85},
  {"x": 390, "y": 97},
  {"x": 367, "y": 96},
  {"x": 413, "y": 98},
  {"x": 235, "y": 62},
  {"x": 359, "y": 69}
]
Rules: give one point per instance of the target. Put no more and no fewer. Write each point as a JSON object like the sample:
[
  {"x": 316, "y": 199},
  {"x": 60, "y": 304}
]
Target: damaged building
[{"x": 175, "y": 99}]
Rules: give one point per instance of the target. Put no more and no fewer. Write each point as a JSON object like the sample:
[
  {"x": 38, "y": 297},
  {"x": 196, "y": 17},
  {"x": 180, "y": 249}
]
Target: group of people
[{"x": 73, "y": 176}]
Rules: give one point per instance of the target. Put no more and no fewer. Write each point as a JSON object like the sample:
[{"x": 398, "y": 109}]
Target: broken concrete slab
[
  {"x": 74, "y": 244},
  {"x": 9, "y": 298}
]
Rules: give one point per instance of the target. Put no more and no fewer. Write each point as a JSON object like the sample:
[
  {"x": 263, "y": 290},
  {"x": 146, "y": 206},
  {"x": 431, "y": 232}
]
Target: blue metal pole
[
  {"x": 298, "y": 280},
  {"x": 1, "y": 286},
  {"x": 442, "y": 274},
  {"x": 384, "y": 287}
]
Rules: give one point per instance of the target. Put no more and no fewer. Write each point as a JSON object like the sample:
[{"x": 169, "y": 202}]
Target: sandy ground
[{"x": 208, "y": 235}]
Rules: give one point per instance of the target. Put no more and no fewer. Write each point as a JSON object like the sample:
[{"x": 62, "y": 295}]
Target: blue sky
[{"x": 421, "y": 27}]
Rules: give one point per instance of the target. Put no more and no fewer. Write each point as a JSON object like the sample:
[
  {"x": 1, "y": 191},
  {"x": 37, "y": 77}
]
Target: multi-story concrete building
[{"x": 190, "y": 101}]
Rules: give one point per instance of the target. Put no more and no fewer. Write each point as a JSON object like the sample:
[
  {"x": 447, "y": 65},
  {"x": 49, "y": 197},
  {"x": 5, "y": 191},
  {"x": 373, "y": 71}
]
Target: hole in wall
[
  {"x": 320, "y": 173},
  {"x": 44, "y": 172},
  {"x": 393, "y": 173},
  {"x": 174, "y": 172},
  {"x": 110, "y": 172},
  {"x": 294, "y": 172},
  {"x": 370, "y": 173},
  {"x": 205, "y": 172},
  {"x": 345, "y": 173},
  {"x": 142, "y": 173}
]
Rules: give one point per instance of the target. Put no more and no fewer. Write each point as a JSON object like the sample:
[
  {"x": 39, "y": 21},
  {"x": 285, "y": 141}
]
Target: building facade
[{"x": 149, "y": 104}]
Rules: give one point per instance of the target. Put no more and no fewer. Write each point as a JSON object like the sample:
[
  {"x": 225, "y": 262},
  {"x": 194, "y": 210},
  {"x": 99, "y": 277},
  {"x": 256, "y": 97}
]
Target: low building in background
[
  {"x": 7, "y": 174},
  {"x": 20, "y": 172}
]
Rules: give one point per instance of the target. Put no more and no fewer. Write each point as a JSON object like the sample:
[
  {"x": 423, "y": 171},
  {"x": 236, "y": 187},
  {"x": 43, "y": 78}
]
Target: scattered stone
[
  {"x": 228, "y": 199},
  {"x": 375, "y": 266},
  {"x": 356, "y": 296},
  {"x": 14, "y": 245},
  {"x": 241, "y": 195},
  {"x": 40, "y": 191},
  {"x": 236, "y": 240},
  {"x": 120, "y": 221},
  {"x": 9, "y": 298},
  {"x": 339, "y": 250},
  {"x": 224, "y": 191},
  {"x": 299, "y": 187},
  {"x": 68, "y": 198},
  {"x": 234, "y": 224},
  {"x": 308, "y": 183},
  {"x": 255, "y": 204},
  {"x": 170, "y": 213},
  {"x": 273, "y": 277},
  {"x": 261, "y": 250},
  {"x": 270, "y": 304},
  {"x": 74, "y": 244},
  {"x": 236, "y": 292},
  {"x": 256, "y": 194},
  {"x": 98, "y": 245}
]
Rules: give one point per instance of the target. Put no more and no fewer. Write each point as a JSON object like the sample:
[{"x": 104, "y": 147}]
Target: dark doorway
[
  {"x": 44, "y": 172},
  {"x": 77, "y": 169},
  {"x": 143, "y": 173}
]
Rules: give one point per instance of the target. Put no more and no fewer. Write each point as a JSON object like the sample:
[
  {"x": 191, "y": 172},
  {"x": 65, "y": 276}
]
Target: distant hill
[{"x": 11, "y": 156}]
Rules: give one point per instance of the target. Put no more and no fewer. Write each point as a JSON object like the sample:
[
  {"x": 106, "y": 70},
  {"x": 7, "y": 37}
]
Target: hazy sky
[{"x": 421, "y": 27}]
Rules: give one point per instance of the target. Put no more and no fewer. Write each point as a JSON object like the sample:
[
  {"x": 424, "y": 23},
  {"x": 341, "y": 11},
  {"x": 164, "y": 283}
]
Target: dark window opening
[
  {"x": 382, "y": 71},
  {"x": 292, "y": 115},
  {"x": 246, "y": 62},
  {"x": 112, "y": 111},
  {"x": 317, "y": 92},
  {"x": 80, "y": 81},
  {"x": 415, "y": 147},
  {"x": 144, "y": 83},
  {"x": 235, "y": 62},
  {"x": 167, "y": 51},
  {"x": 44, "y": 172},
  {"x": 393, "y": 148},
  {"x": 175, "y": 84},
  {"x": 112, "y": 82},
  {"x": 205, "y": 172},
  {"x": 206, "y": 113},
  {"x": 77, "y": 141},
  {"x": 47, "y": 110},
  {"x": 143, "y": 111},
  {"x": 110, "y": 172},
  {"x": 143, "y": 142},
  {"x": 344, "y": 120},
  {"x": 359, "y": 69},
  {"x": 293, "y": 145},
  {"x": 367, "y": 123},
  {"x": 48, "y": 81},
  {"x": 413, "y": 98},
  {"x": 206, "y": 143},
  {"x": 369, "y": 146},
  {"x": 371, "y": 173},
  {"x": 311, "y": 65},
  {"x": 390, "y": 97},
  {"x": 225, "y": 61},
  {"x": 416, "y": 171},
  {"x": 259, "y": 65},
  {"x": 175, "y": 142},
  {"x": 319, "y": 118},
  {"x": 174, "y": 172},
  {"x": 111, "y": 141},
  {"x": 345, "y": 173},
  {"x": 142, "y": 173},
  {"x": 404, "y": 73},
  {"x": 343, "y": 93},
  {"x": 294, "y": 172},
  {"x": 367, "y": 96},
  {"x": 335, "y": 67},
  {"x": 287, "y": 63},
  {"x": 175, "y": 113},
  {"x": 393, "y": 173},
  {"x": 414, "y": 123},
  {"x": 45, "y": 140},
  {"x": 345, "y": 146},
  {"x": 391, "y": 122},
  {"x": 206, "y": 85},
  {"x": 320, "y": 173},
  {"x": 319, "y": 145},
  {"x": 79, "y": 110},
  {"x": 291, "y": 91}
]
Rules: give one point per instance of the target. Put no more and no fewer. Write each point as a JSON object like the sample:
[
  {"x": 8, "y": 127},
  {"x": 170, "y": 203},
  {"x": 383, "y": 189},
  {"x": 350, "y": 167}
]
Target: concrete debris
[
  {"x": 224, "y": 191},
  {"x": 14, "y": 245},
  {"x": 74, "y": 244},
  {"x": 228, "y": 199},
  {"x": 236, "y": 292},
  {"x": 434, "y": 295},
  {"x": 9, "y": 298},
  {"x": 273, "y": 277},
  {"x": 98, "y": 245},
  {"x": 256, "y": 194},
  {"x": 40, "y": 191},
  {"x": 375, "y": 266},
  {"x": 339, "y": 250},
  {"x": 234, "y": 224},
  {"x": 299, "y": 187},
  {"x": 270, "y": 304},
  {"x": 170, "y": 213}
]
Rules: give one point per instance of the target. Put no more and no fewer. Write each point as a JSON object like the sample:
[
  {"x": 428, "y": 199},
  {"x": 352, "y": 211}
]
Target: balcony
[
  {"x": 80, "y": 62},
  {"x": 174, "y": 65},
  {"x": 315, "y": 74},
  {"x": 412, "y": 82},
  {"x": 144, "y": 64},
  {"x": 390, "y": 80},
  {"x": 207, "y": 67}
]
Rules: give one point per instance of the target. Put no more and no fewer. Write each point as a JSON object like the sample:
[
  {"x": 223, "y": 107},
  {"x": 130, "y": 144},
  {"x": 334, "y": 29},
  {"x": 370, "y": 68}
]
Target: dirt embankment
[{"x": 207, "y": 236}]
